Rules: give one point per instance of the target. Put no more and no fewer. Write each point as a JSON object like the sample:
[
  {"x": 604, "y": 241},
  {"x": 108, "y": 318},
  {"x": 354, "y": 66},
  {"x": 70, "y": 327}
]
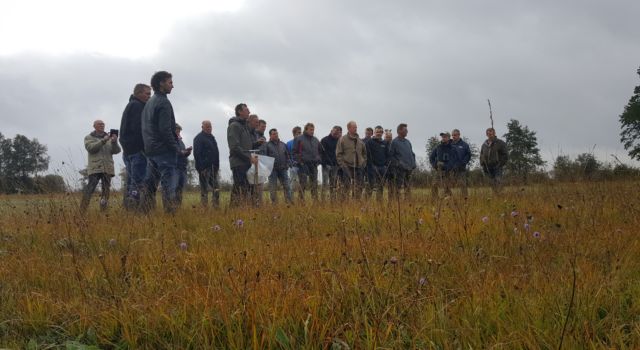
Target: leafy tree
[
  {"x": 630, "y": 124},
  {"x": 524, "y": 154},
  {"x": 25, "y": 157},
  {"x": 588, "y": 165}
]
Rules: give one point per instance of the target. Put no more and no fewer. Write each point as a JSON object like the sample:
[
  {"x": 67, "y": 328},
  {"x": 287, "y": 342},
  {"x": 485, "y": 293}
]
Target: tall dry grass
[{"x": 443, "y": 274}]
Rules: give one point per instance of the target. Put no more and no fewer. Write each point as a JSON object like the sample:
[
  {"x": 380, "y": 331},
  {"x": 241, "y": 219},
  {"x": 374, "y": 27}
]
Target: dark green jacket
[
  {"x": 493, "y": 154},
  {"x": 240, "y": 142}
]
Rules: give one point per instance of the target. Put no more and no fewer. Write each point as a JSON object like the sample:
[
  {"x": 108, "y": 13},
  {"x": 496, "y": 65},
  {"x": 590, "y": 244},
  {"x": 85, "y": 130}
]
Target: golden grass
[{"x": 328, "y": 276}]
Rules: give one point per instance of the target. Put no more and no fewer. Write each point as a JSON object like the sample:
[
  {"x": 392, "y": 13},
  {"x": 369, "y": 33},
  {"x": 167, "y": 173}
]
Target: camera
[{"x": 113, "y": 132}]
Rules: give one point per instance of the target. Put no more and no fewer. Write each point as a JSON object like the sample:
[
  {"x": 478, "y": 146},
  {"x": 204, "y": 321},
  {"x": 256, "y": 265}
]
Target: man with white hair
[
  {"x": 101, "y": 147},
  {"x": 207, "y": 157}
]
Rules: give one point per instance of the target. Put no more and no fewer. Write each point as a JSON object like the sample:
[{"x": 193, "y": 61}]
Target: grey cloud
[{"x": 564, "y": 69}]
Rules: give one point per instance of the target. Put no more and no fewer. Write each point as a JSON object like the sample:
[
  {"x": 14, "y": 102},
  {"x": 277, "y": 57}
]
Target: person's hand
[
  {"x": 254, "y": 159},
  {"x": 262, "y": 140},
  {"x": 114, "y": 138},
  {"x": 106, "y": 138}
]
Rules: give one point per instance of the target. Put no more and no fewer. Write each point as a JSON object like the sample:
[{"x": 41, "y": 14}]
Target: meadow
[{"x": 538, "y": 267}]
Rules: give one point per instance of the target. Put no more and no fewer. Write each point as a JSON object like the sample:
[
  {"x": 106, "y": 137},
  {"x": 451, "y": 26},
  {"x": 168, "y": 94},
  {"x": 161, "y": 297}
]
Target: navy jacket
[
  {"x": 444, "y": 157},
  {"x": 377, "y": 152},
  {"x": 159, "y": 126},
  {"x": 328, "y": 146},
  {"x": 131, "y": 127},
  {"x": 464, "y": 153},
  {"x": 205, "y": 152}
]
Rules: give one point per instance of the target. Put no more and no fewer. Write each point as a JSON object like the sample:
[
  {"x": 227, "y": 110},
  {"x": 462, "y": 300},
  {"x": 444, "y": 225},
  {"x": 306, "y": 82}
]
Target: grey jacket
[
  {"x": 159, "y": 126},
  {"x": 401, "y": 153},
  {"x": 306, "y": 149},
  {"x": 279, "y": 151},
  {"x": 240, "y": 142}
]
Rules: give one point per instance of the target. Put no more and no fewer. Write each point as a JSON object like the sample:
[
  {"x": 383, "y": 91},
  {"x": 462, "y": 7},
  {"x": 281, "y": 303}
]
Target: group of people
[{"x": 154, "y": 154}]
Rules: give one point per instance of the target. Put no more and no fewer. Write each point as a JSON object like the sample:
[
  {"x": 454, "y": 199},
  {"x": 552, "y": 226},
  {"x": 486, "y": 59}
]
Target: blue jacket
[
  {"x": 444, "y": 157},
  {"x": 464, "y": 153},
  {"x": 401, "y": 154}
]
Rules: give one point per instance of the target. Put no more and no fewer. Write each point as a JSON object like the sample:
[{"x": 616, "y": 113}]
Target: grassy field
[{"x": 532, "y": 268}]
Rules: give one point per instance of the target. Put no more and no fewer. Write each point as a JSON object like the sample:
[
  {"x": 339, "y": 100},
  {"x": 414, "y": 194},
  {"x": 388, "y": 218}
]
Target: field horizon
[{"x": 541, "y": 266}]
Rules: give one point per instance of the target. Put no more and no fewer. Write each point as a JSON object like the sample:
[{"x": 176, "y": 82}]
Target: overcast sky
[{"x": 566, "y": 69}]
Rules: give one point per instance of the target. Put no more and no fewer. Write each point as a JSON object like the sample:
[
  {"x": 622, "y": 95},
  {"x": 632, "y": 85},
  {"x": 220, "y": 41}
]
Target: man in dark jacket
[
  {"x": 133, "y": 156},
  {"x": 493, "y": 158},
  {"x": 444, "y": 160},
  {"x": 278, "y": 150},
  {"x": 403, "y": 161},
  {"x": 377, "y": 162},
  {"x": 160, "y": 143},
  {"x": 306, "y": 150},
  {"x": 183, "y": 162},
  {"x": 330, "y": 168},
  {"x": 207, "y": 158},
  {"x": 464, "y": 157},
  {"x": 240, "y": 158}
]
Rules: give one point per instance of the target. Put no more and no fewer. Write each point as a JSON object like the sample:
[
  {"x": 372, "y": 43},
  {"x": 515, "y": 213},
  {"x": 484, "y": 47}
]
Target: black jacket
[
  {"x": 377, "y": 152},
  {"x": 159, "y": 126},
  {"x": 183, "y": 160},
  {"x": 328, "y": 145},
  {"x": 131, "y": 127},
  {"x": 205, "y": 152}
]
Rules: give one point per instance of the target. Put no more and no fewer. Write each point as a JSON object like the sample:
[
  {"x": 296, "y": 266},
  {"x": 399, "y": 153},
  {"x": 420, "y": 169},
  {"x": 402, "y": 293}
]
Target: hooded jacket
[
  {"x": 205, "y": 152},
  {"x": 159, "y": 126},
  {"x": 240, "y": 142},
  {"x": 131, "y": 127},
  {"x": 101, "y": 153},
  {"x": 493, "y": 153},
  {"x": 351, "y": 152}
]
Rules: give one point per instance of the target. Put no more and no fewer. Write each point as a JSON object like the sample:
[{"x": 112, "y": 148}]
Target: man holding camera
[{"x": 101, "y": 147}]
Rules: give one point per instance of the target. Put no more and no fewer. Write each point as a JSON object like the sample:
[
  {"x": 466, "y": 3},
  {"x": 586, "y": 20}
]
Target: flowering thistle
[
  {"x": 485, "y": 219},
  {"x": 527, "y": 226},
  {"x": 239, "y": 223},
  {"x": 183, "y": 245},
  {"x": 536, "y": 234},
  {"x": 422, "y": 281},
  {"x": 216, "y": 228},
  {"x": 514, "y": 213}
]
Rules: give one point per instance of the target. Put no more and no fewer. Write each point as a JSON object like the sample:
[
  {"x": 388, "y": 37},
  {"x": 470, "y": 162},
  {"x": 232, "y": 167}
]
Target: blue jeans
[
  {"x": 182, "y": 181},
  {"x": 283, "y": 176},
  {"x": 136, "y": 167},
  {"x": 162, "y": 169}
]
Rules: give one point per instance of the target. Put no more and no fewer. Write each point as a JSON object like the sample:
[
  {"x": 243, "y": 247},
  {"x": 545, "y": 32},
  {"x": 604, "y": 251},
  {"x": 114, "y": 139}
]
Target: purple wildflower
[
  {"x": 485, "y": 219},
  {"x": 239, "y": 223},
  {"x": 527, "y": 227},
  {"x": 393, "y": 260},
  {"x": 183, "y": 245},
  {"x": 514, "y": 213},
  {"x": 536, "y": 234},
  {"x": 422, "y": 281},
  {"x": 216, "y": 228},
  {"x": 112, "y": 242}
]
